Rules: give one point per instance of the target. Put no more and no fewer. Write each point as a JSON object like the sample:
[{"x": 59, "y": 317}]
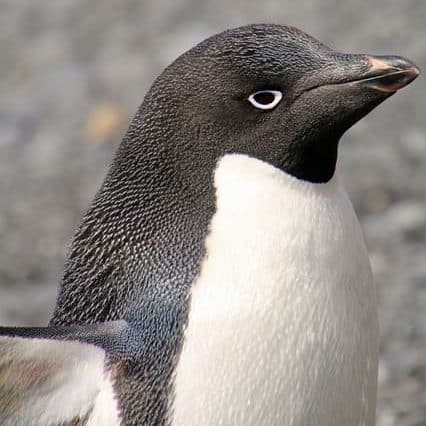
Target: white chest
[{"x": 282, "y": 327}]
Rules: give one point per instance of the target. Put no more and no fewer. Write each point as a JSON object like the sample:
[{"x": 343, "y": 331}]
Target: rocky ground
[{"x": 72, "y": 72}]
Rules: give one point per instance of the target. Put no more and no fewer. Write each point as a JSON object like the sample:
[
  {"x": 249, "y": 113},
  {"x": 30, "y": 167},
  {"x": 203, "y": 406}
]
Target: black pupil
[{"x": 264, "y": 98}]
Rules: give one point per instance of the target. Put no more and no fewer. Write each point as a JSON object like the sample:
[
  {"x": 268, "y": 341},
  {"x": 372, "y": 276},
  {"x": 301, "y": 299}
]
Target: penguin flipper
[{"x": 58, "y": 375}]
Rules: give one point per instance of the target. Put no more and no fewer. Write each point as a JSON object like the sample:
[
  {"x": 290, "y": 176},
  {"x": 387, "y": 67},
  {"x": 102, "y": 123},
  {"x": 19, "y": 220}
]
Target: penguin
[{"x": 220, "y": 275}]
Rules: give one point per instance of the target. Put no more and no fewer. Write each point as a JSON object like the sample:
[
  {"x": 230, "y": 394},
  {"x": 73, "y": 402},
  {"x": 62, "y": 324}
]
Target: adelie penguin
[{"x": 220, "y": 276}]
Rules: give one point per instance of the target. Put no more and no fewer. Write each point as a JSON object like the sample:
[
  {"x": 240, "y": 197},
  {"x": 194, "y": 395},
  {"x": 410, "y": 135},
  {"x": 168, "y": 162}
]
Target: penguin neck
[
  {"x": 135, "y": 256},
  {"x": 142, "y": 237},
  {"x": 313, "y": 161}
]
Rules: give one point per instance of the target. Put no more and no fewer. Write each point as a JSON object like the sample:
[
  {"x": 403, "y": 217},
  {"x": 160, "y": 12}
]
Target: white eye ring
[{"x": 275, "y": 99}]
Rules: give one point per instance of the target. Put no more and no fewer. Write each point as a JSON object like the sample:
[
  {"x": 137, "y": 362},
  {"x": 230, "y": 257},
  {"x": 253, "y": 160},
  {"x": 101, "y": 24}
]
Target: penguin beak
[
  {"x": 388, "y": 74},
  {"x": 379, "y": 76},
  {"x": 340, "y": 94}
]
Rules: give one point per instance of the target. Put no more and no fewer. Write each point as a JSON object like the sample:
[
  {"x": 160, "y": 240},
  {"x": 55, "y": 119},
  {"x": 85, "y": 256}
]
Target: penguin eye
[{"x": 265, "y": 99}]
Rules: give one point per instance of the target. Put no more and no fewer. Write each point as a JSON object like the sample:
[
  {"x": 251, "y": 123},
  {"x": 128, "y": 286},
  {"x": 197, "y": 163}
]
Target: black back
[{"x": 135, "y": 256}]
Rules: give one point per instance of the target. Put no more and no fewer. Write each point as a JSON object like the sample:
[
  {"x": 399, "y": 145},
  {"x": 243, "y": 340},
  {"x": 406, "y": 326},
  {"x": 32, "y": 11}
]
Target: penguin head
[{"x": 273, "y": 93}]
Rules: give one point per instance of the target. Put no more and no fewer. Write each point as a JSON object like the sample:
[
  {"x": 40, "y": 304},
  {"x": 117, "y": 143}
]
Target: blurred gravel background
[{"x": 72, "y": 73}]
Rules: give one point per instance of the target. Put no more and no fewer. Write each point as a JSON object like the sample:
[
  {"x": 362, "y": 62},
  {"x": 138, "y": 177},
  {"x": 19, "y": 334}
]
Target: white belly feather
[{"x": 282, "y": 327}]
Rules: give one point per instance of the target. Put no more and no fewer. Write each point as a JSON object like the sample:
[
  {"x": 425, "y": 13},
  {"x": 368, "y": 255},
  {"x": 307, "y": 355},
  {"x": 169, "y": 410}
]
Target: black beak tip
[{"x": 390, "y": 73}]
